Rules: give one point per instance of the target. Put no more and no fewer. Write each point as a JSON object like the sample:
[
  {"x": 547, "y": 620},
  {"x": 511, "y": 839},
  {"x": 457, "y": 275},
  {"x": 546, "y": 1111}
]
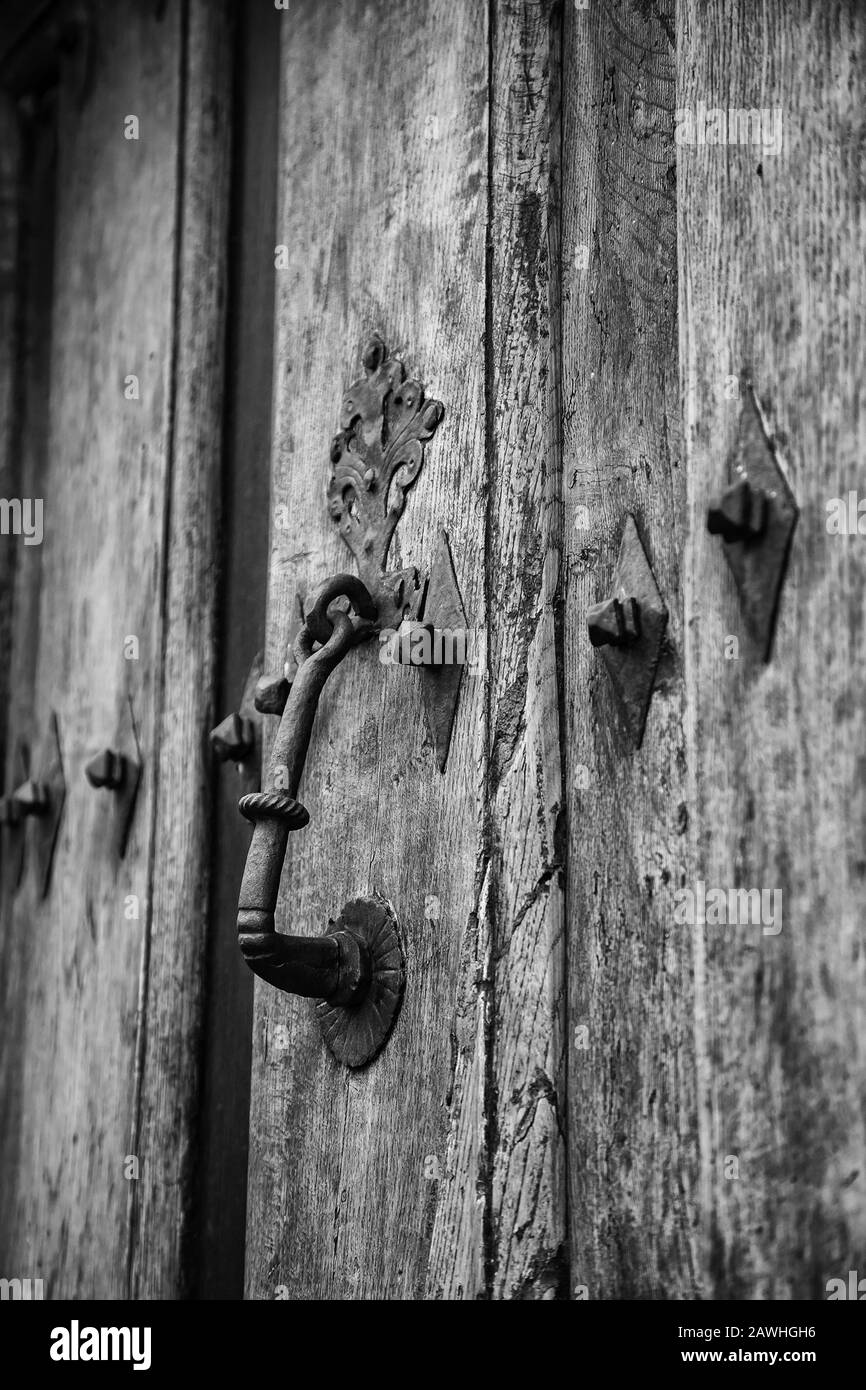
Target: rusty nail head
[
  {"x": 614, "y": 622},
  {"x": 107, "y": 770},
  {"x": 271, "y": 695},
  {"x": 740, "y": 514},
  {"x": 31, "y": 798},
  {"x": 424, "y": 644},
  {"x": 233, "y": 740}
]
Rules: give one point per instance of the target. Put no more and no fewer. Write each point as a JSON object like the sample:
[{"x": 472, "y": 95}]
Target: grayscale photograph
[{"x": 433, "y": 669}]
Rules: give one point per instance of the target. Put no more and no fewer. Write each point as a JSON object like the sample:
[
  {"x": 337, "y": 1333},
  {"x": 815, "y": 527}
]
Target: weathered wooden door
[
  {"x": 621, "y": 244},
  {"x": 589, "y": 1092},
  {"x": 425, "y": 216}
]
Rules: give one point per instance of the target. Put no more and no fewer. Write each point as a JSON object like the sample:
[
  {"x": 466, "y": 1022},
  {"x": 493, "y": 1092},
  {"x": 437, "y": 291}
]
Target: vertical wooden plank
[
  {"x": 30, "y": 154},
  {"x": 102, "y": 980},
  {"x": 221, "y": 1185},
  {"x": 771, "y": 242},
  {"x": 632, "y": 1111},
  {"x": 10, "y": 472},
  {"x": 527, "y": 845},
  {"x": 357, "y": 1180},
  {"x": 173, "y": 961},
  {"x": 26, "y": 321},
  {"x": 71, "y": 961}
]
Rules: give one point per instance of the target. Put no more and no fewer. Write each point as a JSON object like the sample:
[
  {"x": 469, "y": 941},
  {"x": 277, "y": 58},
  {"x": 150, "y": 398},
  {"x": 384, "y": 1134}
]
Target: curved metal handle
[{"x": 358, "y": 961}]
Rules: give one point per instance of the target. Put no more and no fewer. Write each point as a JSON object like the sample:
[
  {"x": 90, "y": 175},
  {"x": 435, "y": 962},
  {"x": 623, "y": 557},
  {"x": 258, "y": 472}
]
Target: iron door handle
[{"x": 355, "y": 968}]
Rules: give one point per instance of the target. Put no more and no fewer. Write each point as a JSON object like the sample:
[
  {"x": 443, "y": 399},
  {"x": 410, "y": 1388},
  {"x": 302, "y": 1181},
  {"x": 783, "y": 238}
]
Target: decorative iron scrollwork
[{"x": 378, "y": 453}]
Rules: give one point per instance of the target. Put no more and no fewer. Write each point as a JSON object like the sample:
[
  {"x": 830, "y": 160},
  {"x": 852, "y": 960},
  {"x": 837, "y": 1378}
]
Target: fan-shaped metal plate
[{"x": 355, "y": 1033}]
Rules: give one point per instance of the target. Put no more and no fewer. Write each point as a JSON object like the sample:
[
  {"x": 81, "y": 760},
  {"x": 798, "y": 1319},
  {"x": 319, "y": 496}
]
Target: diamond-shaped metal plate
[
  {"x": 46, "y": 827},
  {"x": 14, "y": 836},
  {"x": 440, "y": 685},
  {"x": 126, "y": 795},
  {"x": 632, "y": 668},
  {"x": 758, "y": 565},
  {"x": 250, "y": 770}
]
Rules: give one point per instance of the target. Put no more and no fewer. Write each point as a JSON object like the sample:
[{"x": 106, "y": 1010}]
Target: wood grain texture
[
  {"x": 221, "y": 1181},
  {"x": 71, "y": 962},
  {"x": 632, "y": 1118},
  {"x": 371, "y": 1184},
  {"x": 526, "y": 811},
  {"x": 771, "y": 254},
  {"x": 32, "y": 152},
  {"x": 173, "y": 962},
  {"x": 10, "y": 308},
  {"x": 102, "y": 1017}
]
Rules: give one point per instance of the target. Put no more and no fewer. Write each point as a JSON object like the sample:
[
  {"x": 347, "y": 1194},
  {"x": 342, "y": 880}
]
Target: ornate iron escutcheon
[{"x": 385, "y": 421}]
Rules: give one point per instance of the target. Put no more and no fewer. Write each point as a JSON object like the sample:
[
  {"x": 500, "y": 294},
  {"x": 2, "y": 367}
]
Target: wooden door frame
[{"x": 221, "y": 1183}]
